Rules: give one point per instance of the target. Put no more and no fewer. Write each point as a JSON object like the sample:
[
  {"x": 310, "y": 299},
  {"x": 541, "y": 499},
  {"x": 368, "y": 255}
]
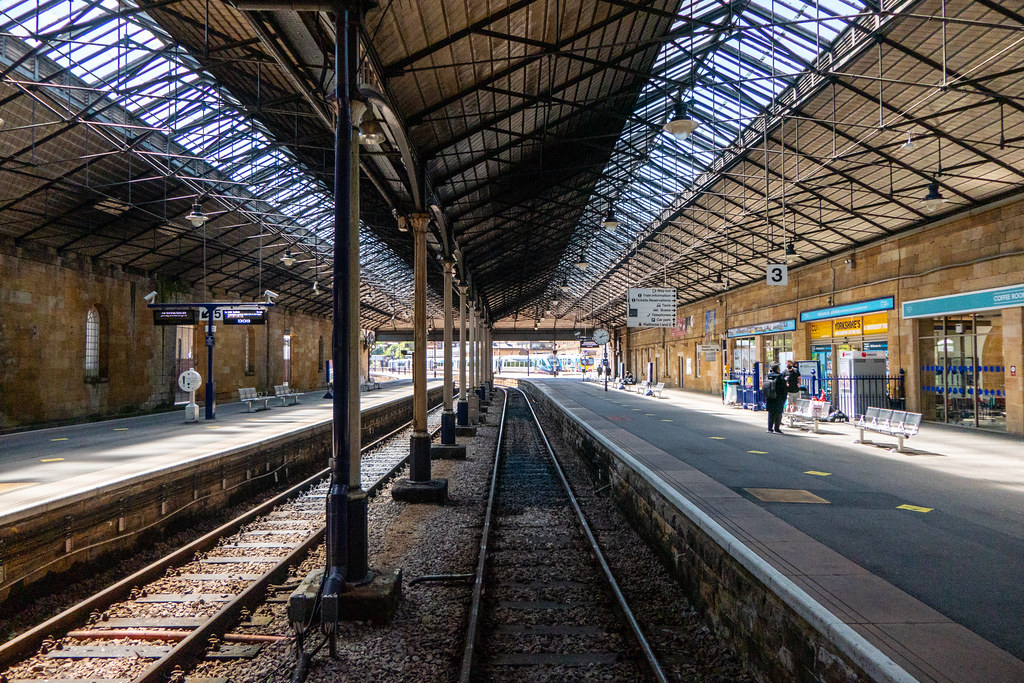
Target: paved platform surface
[
  {"x": 937, "y": 586},
  {"x": 42, "y": 466}
]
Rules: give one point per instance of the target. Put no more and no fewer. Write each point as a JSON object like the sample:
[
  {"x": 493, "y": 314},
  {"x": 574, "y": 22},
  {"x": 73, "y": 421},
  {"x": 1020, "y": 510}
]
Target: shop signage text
[
  {"x": 861, "y": 307},
  {"x": 762, "y": 328},
  {"x": 982, "y": 300}
]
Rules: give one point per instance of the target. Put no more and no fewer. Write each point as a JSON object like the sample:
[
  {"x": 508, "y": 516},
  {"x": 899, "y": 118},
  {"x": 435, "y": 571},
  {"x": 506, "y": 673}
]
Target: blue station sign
[
  {"x": 859, "y": 308},
  {"x": 982, "y": 300}
]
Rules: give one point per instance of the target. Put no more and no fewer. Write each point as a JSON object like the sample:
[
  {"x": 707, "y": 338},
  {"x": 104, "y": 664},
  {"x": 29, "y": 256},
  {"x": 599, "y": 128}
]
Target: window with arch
[{"x": 95, "y": 344}]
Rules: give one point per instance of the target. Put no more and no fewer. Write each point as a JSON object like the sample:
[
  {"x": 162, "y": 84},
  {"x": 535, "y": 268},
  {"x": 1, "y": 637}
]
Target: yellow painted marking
[
  {"x": 120, "y": 429},
  {"x": 60, "y": 439},
  {"x": 717, "y": 438},
  {"x": 636, "y": 410},
  {"x": 666, "y": 420},
  {"x": 213, "y": 427},
  {"x": 759, "y": 452},
  {"x": 649, "y": 414},
  {"x": 11, "y": 485},
  {"x": 785, "y": 496},
  {"x": 818, "y": 474},
  {"x": 51, "y": 459},
  {"x": 913, "y": 508}
]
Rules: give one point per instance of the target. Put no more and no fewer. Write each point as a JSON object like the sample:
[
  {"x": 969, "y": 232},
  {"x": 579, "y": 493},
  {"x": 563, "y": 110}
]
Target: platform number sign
[{"x": 777, "y": 274}]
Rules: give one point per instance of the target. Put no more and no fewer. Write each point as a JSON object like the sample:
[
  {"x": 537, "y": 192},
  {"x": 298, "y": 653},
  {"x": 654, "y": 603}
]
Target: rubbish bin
[{"x": 730, "y": 391}]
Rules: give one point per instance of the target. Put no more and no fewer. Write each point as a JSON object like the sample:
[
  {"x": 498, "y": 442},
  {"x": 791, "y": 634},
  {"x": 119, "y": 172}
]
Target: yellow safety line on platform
[
  {"x": 120, "y": 429},
  {"x": 759, "y": 452},
  {"x": 913, "y": 508},
  {"x": 51, "y": 459},
  {"x": 11, "y": 485},
  {"x": 213, "y": 427},
  {"x": 818, "y": 474},
  {"x": 717, "y": 438},
  {"x": 63, "y": 438}
]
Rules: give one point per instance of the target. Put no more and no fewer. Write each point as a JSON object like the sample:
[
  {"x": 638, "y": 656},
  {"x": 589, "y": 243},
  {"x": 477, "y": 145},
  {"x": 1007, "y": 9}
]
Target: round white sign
[
  {"x": 190, "y": 380},
  {"x": 601, "y": 336}
]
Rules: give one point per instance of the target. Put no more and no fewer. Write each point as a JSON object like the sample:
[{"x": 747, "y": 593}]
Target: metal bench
[
  {"x": 249, "y": 396},
  {"x": 284, "y": 392},
  {"x": 654, "y": 389},
  {"x": 898, "y": 423},
  {"x": 369, "y": 386},
  {"x": 808, "y": 410}
]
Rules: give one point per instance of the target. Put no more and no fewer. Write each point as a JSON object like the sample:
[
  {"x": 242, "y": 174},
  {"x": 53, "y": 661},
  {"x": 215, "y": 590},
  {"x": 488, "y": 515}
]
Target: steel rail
[
  {"x": 478, "y": 584},
  {"x": 626, "y": 612},
  {"x": 29, "y": 642}
]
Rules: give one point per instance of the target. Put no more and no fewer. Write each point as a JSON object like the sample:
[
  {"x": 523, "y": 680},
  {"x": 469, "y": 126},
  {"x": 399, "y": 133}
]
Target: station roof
[{"x": 517, "y": 125}]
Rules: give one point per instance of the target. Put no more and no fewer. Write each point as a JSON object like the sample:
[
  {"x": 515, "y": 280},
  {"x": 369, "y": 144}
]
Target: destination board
[
  {"x": 175, "y": 316},
  {"x": 244, "y": 316}
]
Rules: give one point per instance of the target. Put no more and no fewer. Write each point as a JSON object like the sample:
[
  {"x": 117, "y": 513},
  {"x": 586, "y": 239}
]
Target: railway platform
[
  {"x": 918, "y": 553},
  {"x": 70, "y": 494}
]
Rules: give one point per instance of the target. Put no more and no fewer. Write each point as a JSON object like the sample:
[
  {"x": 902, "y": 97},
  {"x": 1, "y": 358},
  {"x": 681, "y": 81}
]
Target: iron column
[
  {"x": 447, "y": 416},
  {"x": 419, "y": 464},
  {"x": 463, "y": 409}
]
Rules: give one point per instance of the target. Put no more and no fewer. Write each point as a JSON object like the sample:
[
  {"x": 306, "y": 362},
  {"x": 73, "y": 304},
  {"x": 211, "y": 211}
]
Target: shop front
[
  {"x": 962, "y": 367},
  {"x": 861, "y": 326}
]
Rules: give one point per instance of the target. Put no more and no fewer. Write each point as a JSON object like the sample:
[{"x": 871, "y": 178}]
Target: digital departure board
[
  {"x": 175, "y": 316},
  {"x": 244, "y": 316}
]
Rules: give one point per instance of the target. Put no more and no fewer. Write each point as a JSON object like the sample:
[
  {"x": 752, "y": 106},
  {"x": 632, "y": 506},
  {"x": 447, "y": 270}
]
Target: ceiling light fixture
[
  {"x": 790, "y": 253},
  {"x": 934, "y": 200},
  {"x": 609, "y": 223},
  {"x": 371, "y": 132},
  {"x": 316, "y": 287},
  {"x": 582, "y": 264},
  {"x": 288, "y": 259},
  {"x": 680, "y": 125},
  {"x": 909, "y": 144},
  {"x": 197, "y": 218},
  {"x": 564, "y": 286}
]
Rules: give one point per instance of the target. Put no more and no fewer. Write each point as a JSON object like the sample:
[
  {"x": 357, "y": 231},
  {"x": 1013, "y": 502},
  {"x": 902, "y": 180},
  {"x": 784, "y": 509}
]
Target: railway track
[
  {"x": 545, "y": 604},
  {"x": 154, "y": 624}
]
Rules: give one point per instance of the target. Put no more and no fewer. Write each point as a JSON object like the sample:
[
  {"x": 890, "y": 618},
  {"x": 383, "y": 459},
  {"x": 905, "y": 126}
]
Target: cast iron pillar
[
  {"x": 447, "y": 416},
  {"x": 474, "y": 397},
  {"x": 462, "y": 416},
  {"x": 419, "y": 487},
  {"x": 336, "y": 539}
]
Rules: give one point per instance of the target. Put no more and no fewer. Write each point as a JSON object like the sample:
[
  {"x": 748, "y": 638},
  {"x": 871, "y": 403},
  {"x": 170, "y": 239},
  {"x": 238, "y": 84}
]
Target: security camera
[
  {"x": 270, "y": 295},
  {"x": 150, "y": 298}
]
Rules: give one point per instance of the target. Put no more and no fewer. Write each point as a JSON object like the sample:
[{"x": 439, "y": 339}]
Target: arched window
[{"x": 92, "y": 343}]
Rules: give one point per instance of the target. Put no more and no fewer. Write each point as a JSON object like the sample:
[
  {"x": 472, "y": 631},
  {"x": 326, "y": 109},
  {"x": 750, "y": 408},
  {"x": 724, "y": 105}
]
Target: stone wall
[
  {"x": 44, "y": 302},
  {"x": 980, "y": 250}
]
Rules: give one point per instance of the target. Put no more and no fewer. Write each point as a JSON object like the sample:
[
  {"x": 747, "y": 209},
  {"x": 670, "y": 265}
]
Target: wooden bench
[
  {"x": 808, "y": 410},
  {"x": 249, "y": 396},
  {"x": 898, "y": 423},
  {"x": 284, "y": 392}
]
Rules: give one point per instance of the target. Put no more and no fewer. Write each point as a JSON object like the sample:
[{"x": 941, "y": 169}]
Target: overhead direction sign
[
  {"x": 244, "y": 316},
  {"x": 650, "y": 307}
]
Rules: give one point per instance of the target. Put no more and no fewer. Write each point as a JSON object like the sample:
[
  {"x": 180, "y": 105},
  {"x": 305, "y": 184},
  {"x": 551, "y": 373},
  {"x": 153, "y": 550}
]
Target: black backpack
[{"x": 769, "y": 388}]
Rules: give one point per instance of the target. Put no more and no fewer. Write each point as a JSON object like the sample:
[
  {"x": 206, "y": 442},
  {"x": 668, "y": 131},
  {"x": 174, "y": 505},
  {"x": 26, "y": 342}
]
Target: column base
[
  {"x": 462, "y": 414},
  {"x": 419, "y": 457},
  {"x": 375, "y": 600},
  {"x": 447, "y": 428},
  {"x": 448, "y": 451},
  {"x": 474, "y": 408},
  {"x": 465, "y": 431},
  {"x": 358, "y": 544},
  {"x": 433, "y": 492}
]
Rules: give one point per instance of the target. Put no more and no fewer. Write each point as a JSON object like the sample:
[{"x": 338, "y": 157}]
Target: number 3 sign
[{"x": 777, "y": 274}]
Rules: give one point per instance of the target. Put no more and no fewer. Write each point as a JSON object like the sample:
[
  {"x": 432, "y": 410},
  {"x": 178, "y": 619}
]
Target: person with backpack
[
  {"x": 792, "y": 386},
  {"x": 774, "y": 391}
]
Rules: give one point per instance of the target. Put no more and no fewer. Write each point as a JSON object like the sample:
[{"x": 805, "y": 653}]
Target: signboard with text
[
  {"x": 175, "y": 316},
  {"x": 650, "y": 307},
  {"x": 245, "y": 316}
]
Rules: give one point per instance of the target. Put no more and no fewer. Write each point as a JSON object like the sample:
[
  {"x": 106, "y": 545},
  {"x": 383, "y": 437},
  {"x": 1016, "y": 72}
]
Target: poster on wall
[{"x": 650, "y": 307}]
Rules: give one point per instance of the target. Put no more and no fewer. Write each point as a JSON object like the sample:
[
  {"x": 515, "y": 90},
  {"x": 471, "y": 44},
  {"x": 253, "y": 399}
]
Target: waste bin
[{"x": 731, "y": 391}]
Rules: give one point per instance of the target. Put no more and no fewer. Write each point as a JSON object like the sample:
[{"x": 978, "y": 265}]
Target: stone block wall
[{"x": 44, "y": 301}]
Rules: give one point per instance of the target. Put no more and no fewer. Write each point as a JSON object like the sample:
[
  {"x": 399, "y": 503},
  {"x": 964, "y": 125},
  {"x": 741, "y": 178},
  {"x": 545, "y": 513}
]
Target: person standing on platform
[
  {"x": 774, "y": 390},
  {"x": 792, "y": 386}
]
